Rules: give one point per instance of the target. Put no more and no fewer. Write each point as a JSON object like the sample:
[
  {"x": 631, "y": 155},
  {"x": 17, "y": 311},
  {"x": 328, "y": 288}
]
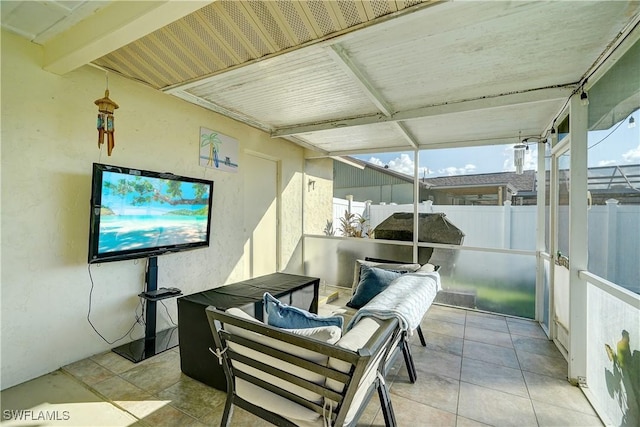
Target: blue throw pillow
[
  {"x": 372, "y": 281},
  {"x": 285, "y": 316}
]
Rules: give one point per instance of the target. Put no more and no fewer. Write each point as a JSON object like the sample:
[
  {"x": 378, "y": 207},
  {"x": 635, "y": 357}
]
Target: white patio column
[
  {"x": 541, "y": 190},
  {"x": 578, "y": 242},
  {"x": 416, "y": 196}
]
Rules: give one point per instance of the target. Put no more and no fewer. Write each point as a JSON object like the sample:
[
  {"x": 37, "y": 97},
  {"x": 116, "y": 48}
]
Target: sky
[{"x": 618, "y": 145}]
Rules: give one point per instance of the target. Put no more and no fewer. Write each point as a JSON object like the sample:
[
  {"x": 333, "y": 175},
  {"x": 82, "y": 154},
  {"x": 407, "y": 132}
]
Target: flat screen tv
[{"x": 138, "y": 213}]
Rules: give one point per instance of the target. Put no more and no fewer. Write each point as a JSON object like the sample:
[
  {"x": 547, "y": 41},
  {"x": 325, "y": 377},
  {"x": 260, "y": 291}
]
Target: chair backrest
[{"x": 283, "y": 377}]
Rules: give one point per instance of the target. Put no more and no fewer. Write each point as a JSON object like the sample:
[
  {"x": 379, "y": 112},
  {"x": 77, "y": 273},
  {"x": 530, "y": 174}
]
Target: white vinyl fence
[
  {"x": 614, "y": 231},
  {"x": 507, "y": 227},
  {"x": 340, "y": 206}
]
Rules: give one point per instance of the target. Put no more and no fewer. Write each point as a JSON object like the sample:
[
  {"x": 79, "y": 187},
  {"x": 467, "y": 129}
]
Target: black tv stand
[{"x": 154, "y": 342}]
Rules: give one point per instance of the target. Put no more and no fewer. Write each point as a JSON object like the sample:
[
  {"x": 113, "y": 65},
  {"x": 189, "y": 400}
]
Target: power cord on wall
[
  {"x": 169, "y": 315},
  {"x": 138, "y": 319}
]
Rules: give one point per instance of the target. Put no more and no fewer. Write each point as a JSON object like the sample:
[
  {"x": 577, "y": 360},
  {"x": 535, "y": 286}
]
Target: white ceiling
[
  {"x": 351, "y": 76},
  {"x": 40, "y": 21}
]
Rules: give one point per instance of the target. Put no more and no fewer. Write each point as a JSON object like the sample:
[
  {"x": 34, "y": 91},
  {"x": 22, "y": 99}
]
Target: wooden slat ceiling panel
[
  {"x": 357, "y": 138},
  {"x": 487, "y": 123},
  {"x": 499, "y": 52},
  {"x": 313, "y": 81}
]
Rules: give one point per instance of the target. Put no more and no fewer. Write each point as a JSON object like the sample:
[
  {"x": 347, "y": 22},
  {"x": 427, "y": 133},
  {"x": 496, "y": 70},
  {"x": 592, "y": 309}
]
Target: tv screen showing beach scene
[{"x": 141, "y": 213}]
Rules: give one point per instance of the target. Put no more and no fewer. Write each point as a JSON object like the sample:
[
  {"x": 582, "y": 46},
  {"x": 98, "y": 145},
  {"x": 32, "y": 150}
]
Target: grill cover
[{"x": 432, "y": 228}]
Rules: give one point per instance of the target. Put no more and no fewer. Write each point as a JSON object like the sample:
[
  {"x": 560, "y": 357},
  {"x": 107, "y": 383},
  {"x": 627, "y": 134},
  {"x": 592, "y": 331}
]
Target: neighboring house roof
[
  {"x": 524, "y": 182},
  {"x": 619, "y": 178},
  {"x": 382, "y": 169}
]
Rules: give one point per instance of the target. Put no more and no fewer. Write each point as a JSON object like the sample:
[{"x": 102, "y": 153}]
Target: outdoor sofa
[{"x": 318, "y": 376}]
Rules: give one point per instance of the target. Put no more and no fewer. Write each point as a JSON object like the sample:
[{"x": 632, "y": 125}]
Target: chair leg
[
  {"x": 408, "y": 360},
  {"x": 385, "y": 403},
  {"x": 226, "y": 415},
  {"x": 422, "y": 340}
]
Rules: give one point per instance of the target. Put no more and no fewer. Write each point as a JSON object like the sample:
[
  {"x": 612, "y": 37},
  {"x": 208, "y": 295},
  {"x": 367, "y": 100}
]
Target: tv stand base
[{"x": 144, "y": 348}]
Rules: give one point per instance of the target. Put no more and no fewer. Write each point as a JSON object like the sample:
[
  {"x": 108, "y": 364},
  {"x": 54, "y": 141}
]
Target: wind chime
[{"x": 105, "y": 122}]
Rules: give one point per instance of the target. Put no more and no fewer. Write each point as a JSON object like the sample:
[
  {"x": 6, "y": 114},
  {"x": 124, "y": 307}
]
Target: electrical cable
[
  {"x": 167, "y": 310},
  {"x": 89, "y": 315},
  {"x": 608, "y": 135}
]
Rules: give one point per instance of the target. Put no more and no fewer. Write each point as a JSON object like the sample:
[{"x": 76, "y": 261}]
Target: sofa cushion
[
  {"x": 328, "y": 334},
  {"x": 428, "y": 268},
  {"x": 373, "y": 280},
  {"x": 275, "y": 403},
  {"x": 289, "y": 317},
  {"x": 275, "y": 362},
  {"x": 355, "y": 339},
  {"x": 400, "y": 267}
]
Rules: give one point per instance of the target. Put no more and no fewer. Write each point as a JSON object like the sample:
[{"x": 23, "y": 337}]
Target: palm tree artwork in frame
[{"x": 218, "y": 151}]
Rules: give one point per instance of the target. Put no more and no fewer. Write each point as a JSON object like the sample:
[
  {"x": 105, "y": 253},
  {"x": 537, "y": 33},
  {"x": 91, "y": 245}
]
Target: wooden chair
[{"x": 292, "y": 380}]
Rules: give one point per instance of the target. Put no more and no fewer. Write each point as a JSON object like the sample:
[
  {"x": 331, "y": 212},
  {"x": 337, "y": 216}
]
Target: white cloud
[
  {"x": 607, "y": 162},
  {"x": 632, "y": 156},
  {"x": 403, "y": 164},
  {"x": 376, "y": 161},
  {"x": 452, "y": 170}
]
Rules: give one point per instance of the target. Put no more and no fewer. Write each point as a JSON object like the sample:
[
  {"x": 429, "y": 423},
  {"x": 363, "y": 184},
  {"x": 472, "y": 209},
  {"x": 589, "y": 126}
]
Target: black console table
[{"x": 196, "y": 338}]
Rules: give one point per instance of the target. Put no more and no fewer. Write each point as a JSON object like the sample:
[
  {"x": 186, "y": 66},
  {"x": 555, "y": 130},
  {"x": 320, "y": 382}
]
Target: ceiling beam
[
  {"x": 221, "y": 110},
  {"x": 430, "y": 146},
  {"x": 117, "y": 25},
  {"x": 525, "y": 97},
  {"x": 340, "y": 57},
  {"x": 407, "y": 135}
]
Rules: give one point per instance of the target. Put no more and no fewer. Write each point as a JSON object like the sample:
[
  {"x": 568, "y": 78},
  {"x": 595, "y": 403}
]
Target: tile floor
[{"x": 477, "y": 369}]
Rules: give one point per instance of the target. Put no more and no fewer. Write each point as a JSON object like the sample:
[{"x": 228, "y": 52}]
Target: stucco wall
[
  {"x": 318, "y": 195},
  {"x": 49, "y": 143}
]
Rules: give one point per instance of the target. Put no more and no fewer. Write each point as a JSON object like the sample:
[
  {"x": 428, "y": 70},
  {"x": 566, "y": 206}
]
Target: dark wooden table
[{"x": 195, "y": 335}]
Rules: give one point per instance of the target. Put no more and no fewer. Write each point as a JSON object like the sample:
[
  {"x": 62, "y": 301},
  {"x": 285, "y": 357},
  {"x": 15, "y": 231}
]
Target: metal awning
[{"x": 348, "y": 77}]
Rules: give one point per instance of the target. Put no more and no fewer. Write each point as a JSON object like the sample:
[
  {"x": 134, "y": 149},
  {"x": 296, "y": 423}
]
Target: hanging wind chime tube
[
  {"x": 105, "y": 123},
  {"x": 518, "y": 158},
  {"x": 518, "y": 154}
]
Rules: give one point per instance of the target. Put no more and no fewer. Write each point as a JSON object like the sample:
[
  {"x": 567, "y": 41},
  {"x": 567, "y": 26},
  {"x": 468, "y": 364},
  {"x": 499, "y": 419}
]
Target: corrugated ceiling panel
[
  {"x": 403, "y": 4},
  {"x": 138, "y": 59},
  {"x": 212, "y": 19},
  {"x": 269, "y": 25},
  {"x": 209, "y": 39},
  {"x": 117, "y": 61},
  {"x": 246, "y": 28},
  {"x": 228, "y": 33},
  {"x": 291, "y": 15},
  {"x": 166, "y": 62},
  {"x": 377, "y": 8},
  {"x": 352, "y": 13},
  {"x": 320, "y": 15},
  {"x": 357, "y": 138},
  {"x": 198, "y": 51},
  {"x": 288, "y": 89},
  {"x": 171, "y": 52}
]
